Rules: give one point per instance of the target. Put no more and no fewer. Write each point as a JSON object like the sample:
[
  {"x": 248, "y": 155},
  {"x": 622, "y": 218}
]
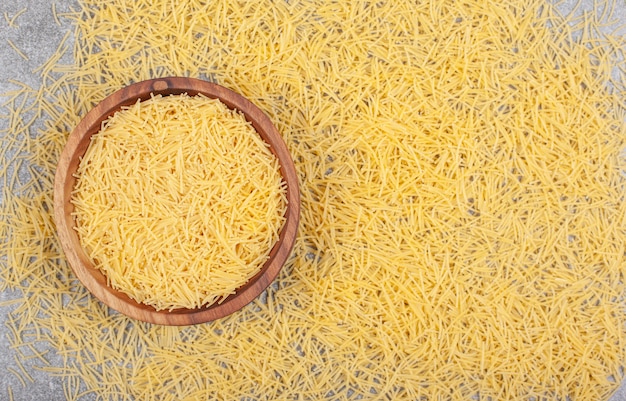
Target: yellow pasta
[
  {"x": 178, "y": 201},
  {"x": 11, "y": 20},
  {"x": 17, "y": 50},
  {"x": 463, "y": 220}
]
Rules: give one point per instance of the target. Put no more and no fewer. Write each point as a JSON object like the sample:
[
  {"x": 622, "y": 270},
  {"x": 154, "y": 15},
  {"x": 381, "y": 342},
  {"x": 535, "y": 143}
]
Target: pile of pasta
[
  {"x": 178, "y": 201},
  {"x": 463, "y": 218}
]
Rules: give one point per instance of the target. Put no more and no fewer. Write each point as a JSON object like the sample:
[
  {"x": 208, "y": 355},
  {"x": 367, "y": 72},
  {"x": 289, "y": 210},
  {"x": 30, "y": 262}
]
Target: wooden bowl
[{"x": 76, "y": 147}]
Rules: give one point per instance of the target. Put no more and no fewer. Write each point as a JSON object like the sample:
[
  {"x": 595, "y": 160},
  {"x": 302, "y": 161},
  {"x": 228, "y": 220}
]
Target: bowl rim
[{"x": 76, "y": 146}]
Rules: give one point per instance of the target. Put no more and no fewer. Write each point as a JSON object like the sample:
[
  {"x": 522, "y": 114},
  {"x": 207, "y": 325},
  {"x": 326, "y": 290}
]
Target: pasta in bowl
[{"x": 176, "y": 201}]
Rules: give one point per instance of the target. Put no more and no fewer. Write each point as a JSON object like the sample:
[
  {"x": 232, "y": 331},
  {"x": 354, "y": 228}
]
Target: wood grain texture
[{"x": 76, "y": 147}]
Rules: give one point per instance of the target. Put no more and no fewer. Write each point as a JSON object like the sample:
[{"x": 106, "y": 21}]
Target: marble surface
[{"x": 37, "y": 34}]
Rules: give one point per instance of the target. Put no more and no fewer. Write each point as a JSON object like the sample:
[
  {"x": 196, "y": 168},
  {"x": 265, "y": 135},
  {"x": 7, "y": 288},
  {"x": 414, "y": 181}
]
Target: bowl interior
[{"x": 77, "y": 145}]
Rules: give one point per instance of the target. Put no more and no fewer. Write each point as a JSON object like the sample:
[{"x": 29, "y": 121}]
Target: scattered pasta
[{"x": 463, "y": 218}]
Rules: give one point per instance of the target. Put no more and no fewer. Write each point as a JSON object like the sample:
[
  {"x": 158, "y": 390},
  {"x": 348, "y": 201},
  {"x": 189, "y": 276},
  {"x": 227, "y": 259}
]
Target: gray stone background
[{"x": 37, "y": 34}]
